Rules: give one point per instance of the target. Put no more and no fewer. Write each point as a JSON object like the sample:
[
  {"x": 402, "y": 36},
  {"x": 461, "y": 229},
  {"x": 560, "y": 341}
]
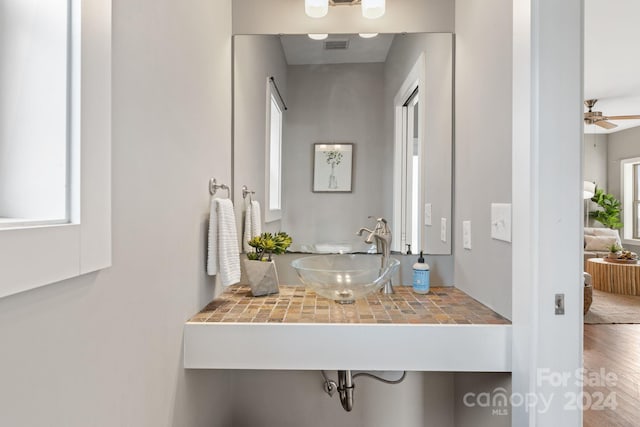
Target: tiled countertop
[
  {"x": 295, "y": 304},
  {"x": 445, "y": 330}
]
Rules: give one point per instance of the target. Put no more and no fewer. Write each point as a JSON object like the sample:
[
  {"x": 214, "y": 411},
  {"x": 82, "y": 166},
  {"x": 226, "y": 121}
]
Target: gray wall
[
  {"x": 595, "y": 159},
  {"x": 256, "y": 58},
  {"x": 105, "y": 349},
  {"x": 334, "y": 103},
  {"x": 470, "y": 389},
  {"x": 428, "y": 399},
  {"x": 483, "y": 147},
  {"x": 293, "y": 399},
  {"x": 287, "y": 17},
  {"x": 621, "y": 145},
  {"x": 436, "y": 108}
]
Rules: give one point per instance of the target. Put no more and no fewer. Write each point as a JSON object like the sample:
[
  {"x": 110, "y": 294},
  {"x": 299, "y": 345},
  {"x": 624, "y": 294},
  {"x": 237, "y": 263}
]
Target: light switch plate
[
  {"x": 466, "y": 234},
  {"x": 443, "y": 229},
  {"x": 501, "y": 221},
  {"x": 427, "y": 214}
]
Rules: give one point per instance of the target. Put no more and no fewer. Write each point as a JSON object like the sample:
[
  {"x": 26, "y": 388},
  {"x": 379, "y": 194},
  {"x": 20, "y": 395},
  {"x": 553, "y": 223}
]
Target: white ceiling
[
  {"x": 300, "y": 49},
  {"x": 612, "y": 60}
]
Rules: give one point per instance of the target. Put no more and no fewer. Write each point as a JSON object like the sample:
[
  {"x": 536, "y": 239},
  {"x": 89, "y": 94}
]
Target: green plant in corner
[
  {"x": 609, "y": 215},
  {"x": 267, "y": 244}
]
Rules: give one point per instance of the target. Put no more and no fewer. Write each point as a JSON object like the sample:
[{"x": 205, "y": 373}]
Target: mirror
[{"x": 386, "y": 100}]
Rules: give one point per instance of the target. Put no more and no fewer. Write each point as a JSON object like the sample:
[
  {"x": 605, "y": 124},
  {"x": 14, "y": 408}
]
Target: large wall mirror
[{"x": 372, "y": 114}]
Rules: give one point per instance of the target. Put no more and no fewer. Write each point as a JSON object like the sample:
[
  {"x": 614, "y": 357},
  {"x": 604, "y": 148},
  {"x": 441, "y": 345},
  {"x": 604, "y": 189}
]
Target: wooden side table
[{"x": 614, "y": 277}]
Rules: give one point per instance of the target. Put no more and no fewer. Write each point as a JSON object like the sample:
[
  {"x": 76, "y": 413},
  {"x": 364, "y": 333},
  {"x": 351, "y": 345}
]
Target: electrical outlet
[
  {"x": 466, "y": 234},
  {"x": 443, "y": 229},
  {"x": 427, "y": 214}
]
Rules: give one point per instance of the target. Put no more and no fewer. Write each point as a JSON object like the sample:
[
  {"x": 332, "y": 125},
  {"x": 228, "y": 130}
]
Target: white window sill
[
  {"x": 24, "y": 222},
  {"x": 633, "y": 242}
]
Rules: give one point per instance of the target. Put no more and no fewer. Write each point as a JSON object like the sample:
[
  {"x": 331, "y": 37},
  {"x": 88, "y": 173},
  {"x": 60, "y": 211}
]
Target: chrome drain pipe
[
  {"x": 345, "y": 386},
  {"x": 345, "y": 389}
]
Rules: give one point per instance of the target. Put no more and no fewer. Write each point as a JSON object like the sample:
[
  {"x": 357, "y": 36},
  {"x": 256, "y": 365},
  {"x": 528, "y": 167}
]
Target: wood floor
[{"x": 612, "y": 349}]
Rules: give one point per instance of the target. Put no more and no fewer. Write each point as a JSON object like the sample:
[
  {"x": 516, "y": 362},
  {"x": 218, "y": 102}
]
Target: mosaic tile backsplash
[{"x": 295, "y": 304}]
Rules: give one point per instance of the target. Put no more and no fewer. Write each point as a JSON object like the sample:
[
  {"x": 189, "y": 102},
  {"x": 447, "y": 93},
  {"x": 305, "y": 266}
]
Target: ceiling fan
[{"x": 596, "y": 118}]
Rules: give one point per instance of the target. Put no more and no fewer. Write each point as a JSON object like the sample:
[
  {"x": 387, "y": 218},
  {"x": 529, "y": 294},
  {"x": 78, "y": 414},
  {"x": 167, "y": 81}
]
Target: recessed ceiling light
[
  {"x": 318, "y": 36},
  {"x": 367, "y": 35}
]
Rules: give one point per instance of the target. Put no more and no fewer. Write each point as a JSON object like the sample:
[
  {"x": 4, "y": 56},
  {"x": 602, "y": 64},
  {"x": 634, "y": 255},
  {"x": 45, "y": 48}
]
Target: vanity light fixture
[
  {"x": 371, "y": 9},
  {"x": 318, "y": 36},
  {"x": 316, "y": 8},
  {"x": 367, "y": 35}
]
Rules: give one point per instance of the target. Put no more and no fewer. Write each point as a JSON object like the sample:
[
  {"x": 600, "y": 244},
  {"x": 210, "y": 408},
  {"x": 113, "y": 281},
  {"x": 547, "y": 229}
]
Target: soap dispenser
[{"x": 421, "y": 276}]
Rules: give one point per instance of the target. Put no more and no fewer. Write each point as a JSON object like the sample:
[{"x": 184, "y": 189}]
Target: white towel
[
  {"x": 256, "y": 220},
  {"x": 252, "y": 224},
  {"x": 224, "y": 256},
  {"x": 248, "y": 229}
]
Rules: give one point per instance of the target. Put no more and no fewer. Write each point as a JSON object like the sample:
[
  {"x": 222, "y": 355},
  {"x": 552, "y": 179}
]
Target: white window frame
[
  {"x": 272, "y": 214},
  {"x": 34, "y": 256},
  {"x": 629, "y": 204}
]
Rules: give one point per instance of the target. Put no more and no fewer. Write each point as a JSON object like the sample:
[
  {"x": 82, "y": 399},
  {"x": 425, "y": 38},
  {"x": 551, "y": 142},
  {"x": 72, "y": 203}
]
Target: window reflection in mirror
[{"x": 274, "y": 148}]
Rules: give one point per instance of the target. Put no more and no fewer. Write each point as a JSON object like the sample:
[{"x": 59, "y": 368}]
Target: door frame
[{"x": 547, "y": 210}]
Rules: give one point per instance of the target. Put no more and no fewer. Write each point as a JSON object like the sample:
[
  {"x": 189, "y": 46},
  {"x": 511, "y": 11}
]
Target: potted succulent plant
[
  {"x": 614, "y": 249},
  {"x": 260, "y": 268}
]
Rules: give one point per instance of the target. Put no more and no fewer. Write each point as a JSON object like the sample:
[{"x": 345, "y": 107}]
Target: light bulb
[
  {"x": 367, "y": 35},
  {"x": 373, "y": 9},
  {"x": 318, "y": 36},
  {"x": 316, "y": 8}
]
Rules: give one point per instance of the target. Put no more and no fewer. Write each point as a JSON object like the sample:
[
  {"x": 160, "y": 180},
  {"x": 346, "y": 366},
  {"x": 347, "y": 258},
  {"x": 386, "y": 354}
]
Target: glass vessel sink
[
  {"x": 339, "y": 248},
  {"x": 344, "y": 278}
]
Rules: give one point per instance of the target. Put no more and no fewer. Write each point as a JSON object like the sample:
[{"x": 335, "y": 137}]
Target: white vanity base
[{"x": 377, "y": 347}]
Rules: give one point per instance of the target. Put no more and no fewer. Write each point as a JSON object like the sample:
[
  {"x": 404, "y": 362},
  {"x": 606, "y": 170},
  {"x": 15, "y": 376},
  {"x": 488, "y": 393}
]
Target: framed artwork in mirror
[{"x": 332, "y": 167}]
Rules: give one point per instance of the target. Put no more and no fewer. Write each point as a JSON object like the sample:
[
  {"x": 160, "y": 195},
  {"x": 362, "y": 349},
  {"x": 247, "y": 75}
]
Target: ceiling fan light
[
  {"x": 316, "y": 8},
  {"x": 367, "y": 35},
  {"x": 318, "y": 36},
  {"x": 373, "y": 9}
]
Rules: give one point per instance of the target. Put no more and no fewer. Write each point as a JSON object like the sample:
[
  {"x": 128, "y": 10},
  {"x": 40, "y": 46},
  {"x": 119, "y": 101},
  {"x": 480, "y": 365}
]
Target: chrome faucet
[{"x": 382, "y": 235}]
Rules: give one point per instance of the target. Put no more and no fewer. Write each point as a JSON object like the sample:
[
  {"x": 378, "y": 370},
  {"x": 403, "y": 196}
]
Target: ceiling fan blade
[
  {"x": 622, "y": 118},
  {"x": 605, "y": 124}
]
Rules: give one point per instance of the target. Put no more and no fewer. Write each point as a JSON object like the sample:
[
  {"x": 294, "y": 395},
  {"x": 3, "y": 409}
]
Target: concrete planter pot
[{"x": 263, "y": 277}]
